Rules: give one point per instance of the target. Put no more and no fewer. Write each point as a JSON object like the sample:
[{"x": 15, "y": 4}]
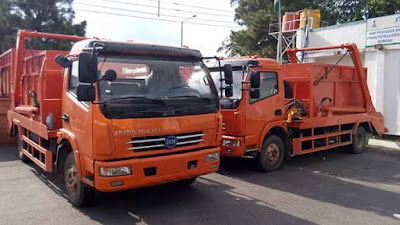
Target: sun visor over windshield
[{"x": 147, "y": 49}]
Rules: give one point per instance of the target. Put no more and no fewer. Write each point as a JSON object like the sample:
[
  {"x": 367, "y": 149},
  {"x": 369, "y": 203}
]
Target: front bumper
[
  {"x": 168, "y": 168},
  {"x": 231, "y": 150}
]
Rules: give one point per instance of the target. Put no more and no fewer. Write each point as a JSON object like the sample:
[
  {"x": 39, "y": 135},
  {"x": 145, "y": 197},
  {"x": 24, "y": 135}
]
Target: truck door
[
  {"x": 77, "y": 117},
  {"x": 268, "y": 108}
]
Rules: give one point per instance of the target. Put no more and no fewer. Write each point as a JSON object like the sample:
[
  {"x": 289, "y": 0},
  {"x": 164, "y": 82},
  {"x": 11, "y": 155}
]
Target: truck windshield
[
  {"x": 155, "y": 87},
  {"x": 237, "y": 83}
]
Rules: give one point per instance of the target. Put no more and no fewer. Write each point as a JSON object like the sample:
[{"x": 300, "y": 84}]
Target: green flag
[{"x": 276, "y": 6}]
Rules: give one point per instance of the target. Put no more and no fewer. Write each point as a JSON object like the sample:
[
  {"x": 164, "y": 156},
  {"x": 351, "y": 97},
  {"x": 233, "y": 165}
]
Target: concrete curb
[{"x": 385, "y": 144}]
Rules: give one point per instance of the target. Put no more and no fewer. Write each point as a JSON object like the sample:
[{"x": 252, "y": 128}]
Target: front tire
[
  {"x": 186, "y": 182},
  {"x": 271, "y": 156},
  {"x": 359, "y": 141},
  {"x": 79, "y": 194}
]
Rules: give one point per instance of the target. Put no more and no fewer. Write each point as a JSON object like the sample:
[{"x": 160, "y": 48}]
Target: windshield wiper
[
  {"x": 137, "y": 98},
  {"x": 190, "y": 97}
]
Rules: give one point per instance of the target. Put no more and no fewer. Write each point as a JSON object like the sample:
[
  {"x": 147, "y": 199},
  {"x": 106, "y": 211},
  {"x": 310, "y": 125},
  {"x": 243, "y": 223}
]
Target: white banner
[{"x": 383, "y": 30}]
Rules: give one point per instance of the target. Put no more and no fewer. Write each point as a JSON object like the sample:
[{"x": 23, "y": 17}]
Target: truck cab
[
  {"x": 256, "y": 105},
  {"x": 158, "y": 114}
]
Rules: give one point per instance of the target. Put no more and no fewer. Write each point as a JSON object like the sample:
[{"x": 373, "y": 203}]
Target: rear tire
[
  {"x": 359, "y": 141},
  {"x": 271, "y": 156},
  {"x": 79, "y": 194},
  {"x": 20, "y": 154}
]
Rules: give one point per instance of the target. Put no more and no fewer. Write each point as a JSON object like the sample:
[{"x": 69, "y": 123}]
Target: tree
[
  {"x": 7, "y": 21},
  {"x": 354, "y": 10},
  {"x": 53, "y": 16},
  {"x": 256, "y": 15}
]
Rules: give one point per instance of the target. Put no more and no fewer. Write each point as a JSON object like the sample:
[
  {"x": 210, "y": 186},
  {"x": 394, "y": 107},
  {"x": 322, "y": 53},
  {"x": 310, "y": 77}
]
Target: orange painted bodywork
[
  {"x": 169, "y": 168},
  {"x": 347, "y": 86},
  {"x": 91, "y": 136}
]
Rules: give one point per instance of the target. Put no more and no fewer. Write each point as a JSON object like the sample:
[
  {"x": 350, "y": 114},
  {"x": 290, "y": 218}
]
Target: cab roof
[{"x": 135, "y": 48}]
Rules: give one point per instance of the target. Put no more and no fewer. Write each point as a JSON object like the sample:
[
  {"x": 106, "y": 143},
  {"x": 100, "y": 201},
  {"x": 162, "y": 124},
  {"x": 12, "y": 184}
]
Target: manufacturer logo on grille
[
  {"x": 171, "y": 141},
  {"x": 138, "y": 131}
]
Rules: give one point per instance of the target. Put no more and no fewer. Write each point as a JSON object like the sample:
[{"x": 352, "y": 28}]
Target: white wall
[
  {"x": 384, "y": 84},
  {"x": 383, "y": 66},
  {"x": 335, "y": 35}
]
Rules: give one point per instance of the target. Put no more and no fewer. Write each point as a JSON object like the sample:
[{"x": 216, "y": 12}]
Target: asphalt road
[{"x": 331, "y": 187}]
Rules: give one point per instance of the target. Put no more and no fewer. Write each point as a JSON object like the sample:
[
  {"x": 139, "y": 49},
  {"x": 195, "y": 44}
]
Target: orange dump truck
[
  {"x": 112, "y": 115},
  {"x": 272, "y": 112}
]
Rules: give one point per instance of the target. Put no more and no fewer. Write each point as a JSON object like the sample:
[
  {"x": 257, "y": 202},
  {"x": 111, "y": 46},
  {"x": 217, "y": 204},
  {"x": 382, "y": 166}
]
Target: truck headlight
[
  {"x": 212, "y": 157},
  {"x": 233, "y": 143},
  {"x": 115, "y": 171}
]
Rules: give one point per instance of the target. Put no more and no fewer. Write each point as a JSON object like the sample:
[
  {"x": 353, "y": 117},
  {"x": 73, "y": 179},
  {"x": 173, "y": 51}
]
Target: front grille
[{"x": 150, "y": 143}]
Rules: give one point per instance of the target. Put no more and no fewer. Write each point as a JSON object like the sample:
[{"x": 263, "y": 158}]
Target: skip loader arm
[
  {"x": 355, "y": 55},
  {"x": 377, "y": 119},
  {"x": 22, "y": 36}
]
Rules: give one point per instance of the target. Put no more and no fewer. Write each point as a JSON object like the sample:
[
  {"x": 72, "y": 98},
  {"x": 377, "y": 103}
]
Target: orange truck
[
  {"x": 112, "y": 115},
  {"x": 272, "y": 112}
]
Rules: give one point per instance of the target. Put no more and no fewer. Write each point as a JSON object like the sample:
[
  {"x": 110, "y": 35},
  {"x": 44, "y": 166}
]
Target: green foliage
[
  {"x": 354, "y": 10},
  {"x": 52, "y": 16},
  {"x": 256, "y": 15}
]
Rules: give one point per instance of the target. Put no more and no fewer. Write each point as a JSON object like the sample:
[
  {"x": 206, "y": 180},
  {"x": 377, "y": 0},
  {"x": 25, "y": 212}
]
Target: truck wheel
[
  {"x": 359, "y": 141},
  {"x": 270, "y": 157},
  {"x": 186, "y": 182},
  {"x": 79, "y": 194},
  {"x": 21, "y": 155}
]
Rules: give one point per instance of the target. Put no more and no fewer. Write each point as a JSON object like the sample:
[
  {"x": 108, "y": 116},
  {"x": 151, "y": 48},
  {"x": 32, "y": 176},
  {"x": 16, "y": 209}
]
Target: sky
[{"x": 206, "y": 38}]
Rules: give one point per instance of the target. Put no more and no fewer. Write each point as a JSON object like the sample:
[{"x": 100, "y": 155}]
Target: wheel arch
[
  {"x": 366, "y": 125},
  {"x": 66, "y": 143}
]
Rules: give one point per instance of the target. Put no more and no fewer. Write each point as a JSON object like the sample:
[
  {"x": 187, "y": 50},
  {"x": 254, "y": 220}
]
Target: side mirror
[
  {"x": 87, "y": 68},
  {"x": 62, "y": 61},
  {"x": 86, "y": 92},
  {"x": 110, "y": 75},
  {"x": 255, "y": 79},
  {"x": 255, "y": 93},
  {"x": 228, "y": 74},
  {"x": 228, "y": 91}
]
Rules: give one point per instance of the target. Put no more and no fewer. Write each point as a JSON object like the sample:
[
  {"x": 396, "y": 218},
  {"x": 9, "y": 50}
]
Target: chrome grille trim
[
  {"x": 189, "y": 142},
  {"x": 148, "y": 143},
  {"x": 145, "y": 147},
  {"x": 145, "y": 141},
  {"x": 190, "y": 136}
]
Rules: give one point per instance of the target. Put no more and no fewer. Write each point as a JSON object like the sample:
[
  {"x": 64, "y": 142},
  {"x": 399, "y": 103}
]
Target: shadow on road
[
  {"x": 8, "y": 154},
  {"x": 201, "y": 203},
  {"x": 368, "y": 181}
]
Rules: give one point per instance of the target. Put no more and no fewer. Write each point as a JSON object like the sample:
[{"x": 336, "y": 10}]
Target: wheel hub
[
  {"x": 272, "y": 153},
  {"x": 71, "y": 179}
]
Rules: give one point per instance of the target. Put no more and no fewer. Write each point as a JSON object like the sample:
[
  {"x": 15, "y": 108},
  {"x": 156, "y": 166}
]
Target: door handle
[
  {"x": 65, "y": 117},
  {"x": 278, "y": 112}
]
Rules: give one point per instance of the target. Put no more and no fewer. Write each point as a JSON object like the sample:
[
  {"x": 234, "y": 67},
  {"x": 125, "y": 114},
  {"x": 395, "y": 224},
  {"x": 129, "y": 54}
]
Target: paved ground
[{"x": 331, "y": 187}]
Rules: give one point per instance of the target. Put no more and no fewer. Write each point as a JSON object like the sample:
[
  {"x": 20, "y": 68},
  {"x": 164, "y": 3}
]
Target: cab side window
[
  {"x": 73, "y": 78},
  {"x": 268, "y": 85}
]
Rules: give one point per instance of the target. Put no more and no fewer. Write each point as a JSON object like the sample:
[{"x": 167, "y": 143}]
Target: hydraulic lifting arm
[
  {"x": 355, "y": 54},
  {"x": 22, "y": 36}
]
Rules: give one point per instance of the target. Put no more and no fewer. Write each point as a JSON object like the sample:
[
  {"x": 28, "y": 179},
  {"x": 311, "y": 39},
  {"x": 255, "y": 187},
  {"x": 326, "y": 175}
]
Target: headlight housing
[
  {"x": 212, "y": 157},
  {"x": 232, "y": 143},
  {"x": 115, "y": 171}
]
